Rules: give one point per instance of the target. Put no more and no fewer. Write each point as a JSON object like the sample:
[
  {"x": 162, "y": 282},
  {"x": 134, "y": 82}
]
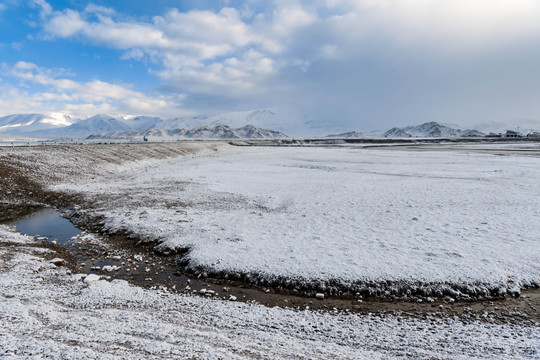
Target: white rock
[
  {"x": 232, "y": 298},
  {"x": 319, "y": 296},
  {"x": 91, "y": 278},
  {"x": 110, "y": 268}
]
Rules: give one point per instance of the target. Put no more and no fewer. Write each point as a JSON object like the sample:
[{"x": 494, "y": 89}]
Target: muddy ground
[{"x": 23, "y": 189}]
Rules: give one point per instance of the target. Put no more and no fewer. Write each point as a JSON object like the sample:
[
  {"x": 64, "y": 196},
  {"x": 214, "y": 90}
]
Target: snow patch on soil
[
  {"x": 46, "y": 312},
  {"x": 386, "y": 222}
]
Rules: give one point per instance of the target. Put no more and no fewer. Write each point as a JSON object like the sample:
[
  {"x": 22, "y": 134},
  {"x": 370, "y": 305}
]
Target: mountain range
[
  {"x": 206, "y": 132},
  {"x": 431, "y": 129},
  {"x": 233, "y": 125},
  {"x": 63, "y": 126}
]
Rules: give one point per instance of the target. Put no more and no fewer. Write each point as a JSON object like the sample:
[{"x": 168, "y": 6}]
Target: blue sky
[{"x": 365, "y": 64}]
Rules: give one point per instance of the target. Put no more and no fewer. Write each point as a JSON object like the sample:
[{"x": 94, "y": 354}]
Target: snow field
[
  {"x": 46, "y": 312},
  {"x": 389, "y": 222}
]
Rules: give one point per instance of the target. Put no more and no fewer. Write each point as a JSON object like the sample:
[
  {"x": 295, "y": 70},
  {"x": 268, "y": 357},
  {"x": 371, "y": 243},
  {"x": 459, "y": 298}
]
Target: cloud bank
[{"x": 380, "y": 62}]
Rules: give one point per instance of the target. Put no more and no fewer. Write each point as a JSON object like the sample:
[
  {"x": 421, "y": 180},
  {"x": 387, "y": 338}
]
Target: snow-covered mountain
[
  {"x": 523, "y": 126},
  {"x": 26, "y": 124},
  {"x": 290, "y": 121},
  {"x": 265, "y": 118},
  {"x": 350, "y": 134},
  {"x": 63, "y": 126},
  {"x": 143, "y": 122},
  {"x": 207, "y": 132},
  {"x": 430, "y": 129}
]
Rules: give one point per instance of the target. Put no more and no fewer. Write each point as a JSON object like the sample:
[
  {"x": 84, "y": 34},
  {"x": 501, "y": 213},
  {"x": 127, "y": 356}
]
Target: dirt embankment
[{"x": 27, "y": 172}]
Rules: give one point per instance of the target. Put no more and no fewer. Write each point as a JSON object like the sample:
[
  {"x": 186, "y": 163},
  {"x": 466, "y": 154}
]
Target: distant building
[
  {"x": 511, "y": 134},
  {"x": 494, "y": 135},
  {"x": 534, "y": 134}
]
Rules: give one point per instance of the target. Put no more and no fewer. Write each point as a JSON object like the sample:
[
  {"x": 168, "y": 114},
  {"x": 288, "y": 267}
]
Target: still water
[{"x": 47, "y": 222}]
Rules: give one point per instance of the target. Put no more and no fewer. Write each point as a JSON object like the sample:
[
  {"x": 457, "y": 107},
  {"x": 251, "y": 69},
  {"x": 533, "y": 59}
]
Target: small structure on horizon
[
  {"x": 511, "y": 134},
  {"x": 145, "y": 138}
]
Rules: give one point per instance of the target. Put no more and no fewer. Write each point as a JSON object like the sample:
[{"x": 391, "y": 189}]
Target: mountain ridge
[
  {"x": 430, "y": 129},
  {"x": 65, "y": 126},
  {"x": 206, "y": 132}
]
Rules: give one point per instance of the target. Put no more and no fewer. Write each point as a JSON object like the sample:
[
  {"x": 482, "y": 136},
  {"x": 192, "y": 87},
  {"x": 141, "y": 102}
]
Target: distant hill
[
  {"x": 206, "y": 132},
  {"x": 350, "y": 134},
  {"x": 430, "y": 129}
]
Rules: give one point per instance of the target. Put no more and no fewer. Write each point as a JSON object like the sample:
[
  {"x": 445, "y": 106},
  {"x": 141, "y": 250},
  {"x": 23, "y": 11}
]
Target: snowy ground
[
  {"x": 387, "y": 221},
  {"x": 446, "y": 218},
  {"x": 47, "y": 312}
]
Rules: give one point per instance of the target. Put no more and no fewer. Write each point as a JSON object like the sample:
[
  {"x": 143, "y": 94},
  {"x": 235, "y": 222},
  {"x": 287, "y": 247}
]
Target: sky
[{"x": 359, "y": 64}]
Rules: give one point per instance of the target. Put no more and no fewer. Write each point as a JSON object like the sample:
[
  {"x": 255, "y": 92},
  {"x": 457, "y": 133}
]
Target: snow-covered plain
[
  {"x": 385, "y": 221},
  {"x": 47, "y": 312}
]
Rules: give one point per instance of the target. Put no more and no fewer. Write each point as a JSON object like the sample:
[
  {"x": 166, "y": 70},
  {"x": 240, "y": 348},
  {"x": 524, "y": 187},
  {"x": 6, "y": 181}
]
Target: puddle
[
  {"x": 47, "y": 222},
  {"x": 114, "y": 259},
  {"x": 104, "y": 256}
]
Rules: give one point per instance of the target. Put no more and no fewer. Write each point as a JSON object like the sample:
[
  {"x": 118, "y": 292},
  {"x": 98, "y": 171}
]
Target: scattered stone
[
  {"x": 232, "y": 298},
  {"x": 57, "y": 261},
  {"x": 319, "y": 296},
  {"x": 110, "y": 268},
  {"x": 91, "y": 278}
]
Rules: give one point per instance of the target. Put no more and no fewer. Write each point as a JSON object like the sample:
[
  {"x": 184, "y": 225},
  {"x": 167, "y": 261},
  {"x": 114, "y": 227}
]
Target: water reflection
[{"x": 47, "y": 222}]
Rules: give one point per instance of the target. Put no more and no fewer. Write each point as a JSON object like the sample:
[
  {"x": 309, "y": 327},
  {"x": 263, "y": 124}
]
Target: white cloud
[
  {"x": 208, "y": 45},
  {"x": 339, "y": 51},
  {"x": 460, "y": 26},
  {"x": 65, "y": 24},
  {"x": 290, "y": 17},
  {"x": 97, "y": 9},
  {"x": 81, "y": 98},
  {"x": 46, "y": 9}
]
